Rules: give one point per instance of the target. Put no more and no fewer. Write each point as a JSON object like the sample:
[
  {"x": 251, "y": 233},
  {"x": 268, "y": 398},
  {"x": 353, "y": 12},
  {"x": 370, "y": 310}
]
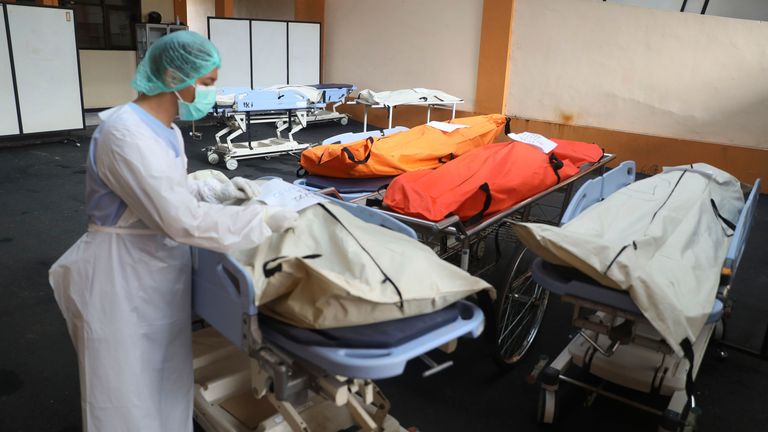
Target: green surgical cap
[{"x": 175, "y": 61}]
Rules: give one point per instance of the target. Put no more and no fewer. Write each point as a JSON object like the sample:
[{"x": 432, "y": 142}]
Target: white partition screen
[
  {"x": 269, "y": 45},
  {"x": 303, "y": 53},
  {"x": 233, "y": 39},
  {"x": 9, "y": 120},
  {"x": 46, "y": 67},
  {"x": 272, "y": 53}
]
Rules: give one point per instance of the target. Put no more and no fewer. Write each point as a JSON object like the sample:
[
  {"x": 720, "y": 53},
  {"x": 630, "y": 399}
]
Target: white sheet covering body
[
  {"x": 407, "y": 96},
  {"x": 338, "y": 270},
  {"x": 660, "y": 238}
]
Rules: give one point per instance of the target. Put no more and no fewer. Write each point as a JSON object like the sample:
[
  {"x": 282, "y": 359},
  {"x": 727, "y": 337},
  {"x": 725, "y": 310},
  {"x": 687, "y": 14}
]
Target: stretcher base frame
[
  {"x": 639, "y": 359},
  {"x": 224, "y": 400}
]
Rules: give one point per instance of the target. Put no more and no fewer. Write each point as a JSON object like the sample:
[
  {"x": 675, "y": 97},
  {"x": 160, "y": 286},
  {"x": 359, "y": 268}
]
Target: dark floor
[{"x": 42, "y": 215}]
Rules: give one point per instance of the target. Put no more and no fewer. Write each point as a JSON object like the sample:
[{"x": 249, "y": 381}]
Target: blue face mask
[{"x": 205, "y": 98}]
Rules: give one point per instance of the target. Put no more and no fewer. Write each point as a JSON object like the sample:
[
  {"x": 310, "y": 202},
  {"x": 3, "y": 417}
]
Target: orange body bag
[
  {"x": 422, "y": 147},
  {"x": 487, "y": 180}
]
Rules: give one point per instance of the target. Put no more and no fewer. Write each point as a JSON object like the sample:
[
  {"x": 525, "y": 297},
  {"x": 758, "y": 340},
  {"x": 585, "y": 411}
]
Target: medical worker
[{"x": 124, "y": 287}]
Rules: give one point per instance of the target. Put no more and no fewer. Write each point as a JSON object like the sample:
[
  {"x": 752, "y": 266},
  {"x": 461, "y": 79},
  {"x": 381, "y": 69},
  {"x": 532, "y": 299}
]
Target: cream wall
[
  {"x": 639, "y": 70},
  {"x": 394, "y": 44},
  {"x": 165, "y": 7},
  {"x": 106, "y": 77},
  {"x": 198, "y": 12},
  {"x": 264, "y": 9}
]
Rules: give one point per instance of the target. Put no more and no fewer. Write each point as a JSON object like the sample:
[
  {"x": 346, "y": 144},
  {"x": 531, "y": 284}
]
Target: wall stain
[{"x": 567, "y": 118}]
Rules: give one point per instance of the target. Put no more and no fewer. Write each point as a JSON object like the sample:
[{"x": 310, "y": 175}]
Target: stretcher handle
[
  {"x": 740, "y": 235},
  {"x": 235, "y": 280}
]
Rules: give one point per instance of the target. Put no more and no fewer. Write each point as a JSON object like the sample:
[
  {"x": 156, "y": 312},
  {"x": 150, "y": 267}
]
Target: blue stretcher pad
[{"x": 347, "y": 185}]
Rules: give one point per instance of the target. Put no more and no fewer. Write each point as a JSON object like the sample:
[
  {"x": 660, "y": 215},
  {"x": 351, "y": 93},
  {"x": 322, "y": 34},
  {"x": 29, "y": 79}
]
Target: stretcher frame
[
  {"x": 237, "y": 121},
  {"x": 391, "y": 108},
  {"x": 257, "y": 358},
  {"x": 616, "y": 343},
  {"x": 465, "y": 245}
]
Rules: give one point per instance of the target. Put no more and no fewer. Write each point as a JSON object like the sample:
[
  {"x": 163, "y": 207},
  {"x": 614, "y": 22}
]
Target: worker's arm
[{"x": 140, "y": 169}]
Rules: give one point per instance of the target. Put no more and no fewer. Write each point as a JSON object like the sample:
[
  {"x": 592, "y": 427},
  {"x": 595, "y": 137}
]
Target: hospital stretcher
[
  {"x": 253, "y": 373},
  {"x": 418, "y": 96},
  {"x": 286, "y": 106},
  {"x": 615, "y": 342},
  {"x": 520, "y": 304}
]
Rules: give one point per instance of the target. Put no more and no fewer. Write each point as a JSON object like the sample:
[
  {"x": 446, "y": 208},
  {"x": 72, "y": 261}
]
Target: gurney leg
[
  {"x": 453, "y": 112},
  {"x": 550, "y": 383},
  {"x": 365, "y": 118},
  {"x": 302, "y": 117},
  {"x": 381, "y": 403},
  {"x": 233, "y": 135},
  {"x": 281, "y": 126},
  {"x": 429, "y": 112},
  {"x": 221, "y": 133},
  {"x": 391, "y": 109},
  {"x": 672, "y": 419},
  {"x": 361, "y": 417},
  {"x": 289, "y": 413}
]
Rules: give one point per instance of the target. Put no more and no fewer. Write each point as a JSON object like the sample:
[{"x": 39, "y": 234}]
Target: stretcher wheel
[
  {"x": 519, "y": 310},
  {"x": 671, "y": 421},
  {"x": 213, "y": 158},
  {"x": 231, "y": 164},
  {"x": 343, "y": 121},
  {"x": 547, "y": 406}
]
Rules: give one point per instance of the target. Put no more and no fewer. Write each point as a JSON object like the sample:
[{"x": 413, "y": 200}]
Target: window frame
[{"x": 133, "y": 8}]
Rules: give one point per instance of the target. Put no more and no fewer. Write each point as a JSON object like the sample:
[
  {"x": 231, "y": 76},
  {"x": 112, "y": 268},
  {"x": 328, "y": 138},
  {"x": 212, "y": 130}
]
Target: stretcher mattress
[
  {"x": 346, "y": 186},
  {"x": 663, "y": 239},
  {"x": 227, "y": 96},
  {"x": 379, "y": 335}
]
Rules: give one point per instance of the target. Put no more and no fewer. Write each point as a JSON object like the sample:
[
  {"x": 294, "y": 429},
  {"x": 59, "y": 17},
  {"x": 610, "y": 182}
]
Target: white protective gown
[{"x": 125, "y": 290}]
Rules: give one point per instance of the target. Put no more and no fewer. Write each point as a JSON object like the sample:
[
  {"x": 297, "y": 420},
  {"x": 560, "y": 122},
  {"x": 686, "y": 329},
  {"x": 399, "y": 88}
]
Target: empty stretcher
[
  {"x": 415, "y": 96},
  {"x": 286, "y": 106},
  {"x": 616, "y": 341},
  {"x": 254, "y": 373}
]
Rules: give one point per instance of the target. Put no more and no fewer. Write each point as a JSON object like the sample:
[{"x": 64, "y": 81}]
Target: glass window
[
  {"x": 105, "y": 24},
  {"x": 121, "y": 25},
  {"x": 90, "y": 26}
]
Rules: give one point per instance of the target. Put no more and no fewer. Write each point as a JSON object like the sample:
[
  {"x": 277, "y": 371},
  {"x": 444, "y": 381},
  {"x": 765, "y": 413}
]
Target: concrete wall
[
  {"x": 264, "y": 9},
  {"x": 394, "y": 44},
  {"x": 668, "y": 74},
  {"x": 198, "y": 12},
  {"x": 106, "y": 77}
]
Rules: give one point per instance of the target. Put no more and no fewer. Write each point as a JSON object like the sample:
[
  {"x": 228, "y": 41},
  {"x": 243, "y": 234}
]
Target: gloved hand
[
  {"x": 211, "y": 190},
  {"x": 280, "y": 219},
  {"x": 248, "y": 187}
]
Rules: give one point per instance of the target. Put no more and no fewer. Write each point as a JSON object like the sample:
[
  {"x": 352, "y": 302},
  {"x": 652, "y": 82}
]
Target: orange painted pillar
[
  {"x": 180, "y": 10},
  {"x": 225, "y": 8},
  {"x": 493, "y": 62},
  {"x": 313, "y": 11},
  {"x": 48, "y": 2}
]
